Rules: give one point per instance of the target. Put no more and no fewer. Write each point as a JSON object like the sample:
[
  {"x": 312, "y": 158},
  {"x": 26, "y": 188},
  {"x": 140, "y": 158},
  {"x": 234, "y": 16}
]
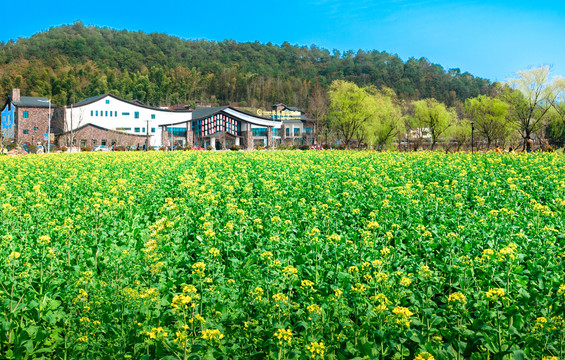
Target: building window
[
  {"x": 125, "y": 114},
  {"x": 94, "y": 142},
  {"x": 152, "y": 130},
  {"x": 106, "y": 113},
  {"x": 83, "y": 143},
  {"x": 107, "y": 101},
  {"x": 26, "y": 132},
  {"x": 143, "y": 130},
  {"x": 114, "y": 142},
  {"x": 259, "y": 131},
  {"x": 74, "y": 141},
  {"x": 91, "y": 112},
  {"x": 35, "y": 128},
  {"x": 111, "y": 113},
  {"x": 26, "y": 114},
  {"x": 137, "y": 114},
  {"x": 308, "y": 130},
  {"x": 96, "y": 112},
  {"x": 152, "y": 116},
  {"x": 137, "y": 130},
  {"x": 115, "y": 113},
  {"x": 287, "y": 131},
  {"x": 296, "y": 131},
  {"x": 103, "y": 143}
]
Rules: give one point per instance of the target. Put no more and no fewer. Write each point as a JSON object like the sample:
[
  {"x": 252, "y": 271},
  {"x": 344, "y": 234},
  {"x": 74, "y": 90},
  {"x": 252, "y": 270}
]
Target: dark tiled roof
[
  {"x": 90, "y": 99},
  {"x": 133, "y": 102},
  {"x": 32, "y": 101},
  {"x": 203, "y": 113},
  {"x": 292, "y": 108}
]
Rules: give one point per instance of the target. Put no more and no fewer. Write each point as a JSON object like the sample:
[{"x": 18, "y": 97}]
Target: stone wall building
[
  {"x": 25, "y": 119},
  {"x": 91, "y": 135}
]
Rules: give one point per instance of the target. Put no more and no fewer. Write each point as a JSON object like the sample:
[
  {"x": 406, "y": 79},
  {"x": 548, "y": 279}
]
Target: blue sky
[{"x": 488, "y": 39}]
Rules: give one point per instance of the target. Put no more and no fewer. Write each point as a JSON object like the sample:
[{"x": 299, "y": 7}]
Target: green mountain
[{"x": 70, "y": 63}]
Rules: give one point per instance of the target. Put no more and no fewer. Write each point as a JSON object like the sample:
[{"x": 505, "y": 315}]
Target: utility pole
[{"x": 147, "y": 137}]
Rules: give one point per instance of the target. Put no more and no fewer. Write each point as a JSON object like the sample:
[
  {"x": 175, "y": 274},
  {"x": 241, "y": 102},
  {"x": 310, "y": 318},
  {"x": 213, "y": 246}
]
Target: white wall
[{"x": 112, "y": 115}]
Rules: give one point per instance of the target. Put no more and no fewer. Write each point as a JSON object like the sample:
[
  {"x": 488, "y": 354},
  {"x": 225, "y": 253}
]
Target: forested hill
[{"x": 71, "y": 63}]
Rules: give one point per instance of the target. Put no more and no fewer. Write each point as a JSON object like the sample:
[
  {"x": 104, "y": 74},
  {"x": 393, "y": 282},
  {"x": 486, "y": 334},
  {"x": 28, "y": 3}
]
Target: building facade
[
  {"x": 118, "y": 115},
  {"x": 296, "y": 128},
  {"x": 25, "y": 119},
  {"x": 90, "y": 135},
  {"x": 221, "y": 127}
]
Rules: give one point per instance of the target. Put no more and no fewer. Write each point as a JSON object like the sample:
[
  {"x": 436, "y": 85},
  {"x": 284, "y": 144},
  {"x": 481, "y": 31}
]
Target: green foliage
[
  {"x": 490, "y": 118},
  {"x": 351, "y": 109},
  {"x": 70, "y": 63},
  {"x": 433, "y": 116}
]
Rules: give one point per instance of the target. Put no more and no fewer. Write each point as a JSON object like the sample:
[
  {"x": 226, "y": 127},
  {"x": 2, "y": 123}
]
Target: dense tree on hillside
[{"x": 70, "y": 63}]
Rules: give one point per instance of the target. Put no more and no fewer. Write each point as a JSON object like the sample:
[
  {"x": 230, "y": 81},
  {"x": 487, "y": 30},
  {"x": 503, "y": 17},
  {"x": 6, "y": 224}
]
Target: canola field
[{"x": 282, "y": 255}]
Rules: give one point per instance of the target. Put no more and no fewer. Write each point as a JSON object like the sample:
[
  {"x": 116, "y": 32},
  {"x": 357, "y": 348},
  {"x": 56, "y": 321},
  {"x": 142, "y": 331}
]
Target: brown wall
[
  {"x": 38, "y": 118},
  {"x": 90, "y": 133}
]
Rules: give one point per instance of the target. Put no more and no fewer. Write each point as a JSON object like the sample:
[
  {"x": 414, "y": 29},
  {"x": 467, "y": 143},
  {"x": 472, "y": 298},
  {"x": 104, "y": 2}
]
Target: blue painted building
[{"x": 8, "y": 123}]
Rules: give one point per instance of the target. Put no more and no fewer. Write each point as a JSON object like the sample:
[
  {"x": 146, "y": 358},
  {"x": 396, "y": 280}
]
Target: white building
[{"x": 131, "y": 117}]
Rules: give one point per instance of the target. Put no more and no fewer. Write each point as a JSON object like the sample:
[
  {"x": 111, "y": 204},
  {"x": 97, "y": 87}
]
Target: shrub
[
  {"x": 235, "y": 148},
  {"x": 86, "y": 148},
  {"x": 326, "y": 146},
  {"x": 32, "y": 149},
  {"x": 304, "y": 147},
  {"x": 11, "y": 146},
  {"x": 260, "y": 147},
  {"x": 209, "y": 147},
  {"x": 63, "y": 149}
]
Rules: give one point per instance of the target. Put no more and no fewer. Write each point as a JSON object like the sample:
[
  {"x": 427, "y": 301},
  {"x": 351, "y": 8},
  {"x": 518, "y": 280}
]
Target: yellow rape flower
[
  {"x": 212, "y": 334},
  {"x": 424, "y": 356},
  {"x": 283, "y": 336}
]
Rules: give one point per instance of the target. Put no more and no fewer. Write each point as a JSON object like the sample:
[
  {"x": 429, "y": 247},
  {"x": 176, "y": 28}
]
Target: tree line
[
  {"x": 529, "y": 106},
  {"x": 70, "y": 63}
]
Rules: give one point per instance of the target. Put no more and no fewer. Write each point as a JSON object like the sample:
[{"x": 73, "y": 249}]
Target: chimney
[{"x": 16, "y": 95}]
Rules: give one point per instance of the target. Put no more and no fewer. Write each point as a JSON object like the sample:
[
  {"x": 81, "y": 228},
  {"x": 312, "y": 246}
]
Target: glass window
[
  {"x": 35, "y": 128},
  {"x": 152, "y": 130},
  {"x": 111, "y": 113},
  {"x": 106, "y": 113},
  {"x": 96, "y": 112},
  {"x": 287, "y": 131},
  {"x": 137, "y": 114},
  {"x": 103, "y": 142},
  {"x": 26, "y": 131},
  {"x": 26, "y": 114},
  {"x": 143, "y": 130},
  {"x": 83, "y": 143},
  {"x": 259, "y": 131},
  {"x": 296, "y": 131},
  {"x": 93, "y": 142},
  {"x": 91, "y": 112},
  {"x": 152, "y": 116},
  {"x": 115, "y": 113},
  {"x": 125, "y": 114},
  {"x": 308, "y": 130},
  {"x": 107, "y": 101},
  {"x": 137, "y": 129}
]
